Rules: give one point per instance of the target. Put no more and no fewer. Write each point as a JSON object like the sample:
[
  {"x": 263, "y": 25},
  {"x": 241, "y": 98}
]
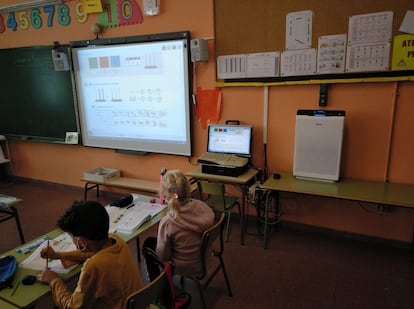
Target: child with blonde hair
[{"x": 180, "y": 231}]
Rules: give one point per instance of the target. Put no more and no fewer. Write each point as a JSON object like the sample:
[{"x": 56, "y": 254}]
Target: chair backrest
[
  {"x": 210, "y": 188},
  {"x": 157, "y": 292},
  {"x": 213, "y": 193},
  {"x": 209, "y": 247}
]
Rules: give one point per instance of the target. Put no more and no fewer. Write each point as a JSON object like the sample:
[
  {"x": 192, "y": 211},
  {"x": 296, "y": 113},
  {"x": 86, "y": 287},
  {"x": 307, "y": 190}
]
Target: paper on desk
[
  {"x": 7, "y": 199},
  {"x": 61, "y": 243},
  {"x": 128, "y": 219}
]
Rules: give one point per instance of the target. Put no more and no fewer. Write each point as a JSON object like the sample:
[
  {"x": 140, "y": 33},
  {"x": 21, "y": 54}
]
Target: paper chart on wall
[
  {"x": 298, "y": 62},
  {"x": 299, "y": 30},
  {"x": 331, "y": 54},
  {"x": 369, "y": 42},
  {"x": 263, "y": 64},
  {"x": 368, "y": 57},
  {"x": 407, "y": 24},
  {"x": 369, "y": 28}
]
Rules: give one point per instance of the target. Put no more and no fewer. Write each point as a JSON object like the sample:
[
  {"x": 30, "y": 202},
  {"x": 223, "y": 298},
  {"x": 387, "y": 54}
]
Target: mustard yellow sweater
[{"x": 105, "y": 281}]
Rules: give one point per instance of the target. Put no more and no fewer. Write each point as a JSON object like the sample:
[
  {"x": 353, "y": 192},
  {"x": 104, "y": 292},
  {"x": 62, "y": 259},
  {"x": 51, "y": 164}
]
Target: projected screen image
[{"x": 135, "y": 96}]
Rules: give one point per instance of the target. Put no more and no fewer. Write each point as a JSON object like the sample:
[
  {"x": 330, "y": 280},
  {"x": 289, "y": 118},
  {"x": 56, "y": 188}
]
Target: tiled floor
[{"x": 299, "y": 270}]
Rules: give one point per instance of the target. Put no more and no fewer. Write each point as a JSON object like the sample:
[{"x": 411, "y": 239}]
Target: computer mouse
[{"x": 276, "y": 176}]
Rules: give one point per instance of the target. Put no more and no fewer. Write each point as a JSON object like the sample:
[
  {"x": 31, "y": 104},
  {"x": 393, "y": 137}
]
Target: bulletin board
[
  {"x": 36, "y": 102},
  {"x": 245, "y": 26}
]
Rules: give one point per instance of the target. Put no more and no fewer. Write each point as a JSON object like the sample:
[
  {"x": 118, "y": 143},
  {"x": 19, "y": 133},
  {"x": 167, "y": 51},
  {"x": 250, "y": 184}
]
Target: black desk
[{"x": 383, "y": 193}]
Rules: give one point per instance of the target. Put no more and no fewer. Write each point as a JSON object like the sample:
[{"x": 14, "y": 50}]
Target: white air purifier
[{"x": 318, "y": 144}]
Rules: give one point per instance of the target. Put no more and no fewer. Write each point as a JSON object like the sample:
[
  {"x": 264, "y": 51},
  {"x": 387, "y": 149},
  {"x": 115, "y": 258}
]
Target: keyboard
[{"x": 223, "y": 159}]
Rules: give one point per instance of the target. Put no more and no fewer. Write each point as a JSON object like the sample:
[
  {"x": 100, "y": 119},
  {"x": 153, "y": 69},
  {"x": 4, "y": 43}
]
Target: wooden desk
[
  {"x": 6, "y": 305},
  {"x": 243, "y": 182},
  {"x": 382, "y": 193},
  {"x": 143, "y": 186},
  {"x": 8, "y": 211},
  {"x": 27, "y": 295}
]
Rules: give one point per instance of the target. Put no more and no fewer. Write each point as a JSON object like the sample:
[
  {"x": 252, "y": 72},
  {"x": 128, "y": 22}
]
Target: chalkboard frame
[{"x": 37, "y": 102}]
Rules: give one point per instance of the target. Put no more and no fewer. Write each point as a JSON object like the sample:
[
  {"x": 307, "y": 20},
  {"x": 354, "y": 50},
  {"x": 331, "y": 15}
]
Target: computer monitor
[{"x": 233, "y": 139}]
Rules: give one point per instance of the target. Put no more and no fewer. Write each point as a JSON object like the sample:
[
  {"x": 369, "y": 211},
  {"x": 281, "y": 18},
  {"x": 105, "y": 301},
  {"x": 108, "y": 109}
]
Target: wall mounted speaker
[
  {"x": 60, "y": 61},
  {"x": 318, "y": 144},
  {"x": 199, "y": 50}
]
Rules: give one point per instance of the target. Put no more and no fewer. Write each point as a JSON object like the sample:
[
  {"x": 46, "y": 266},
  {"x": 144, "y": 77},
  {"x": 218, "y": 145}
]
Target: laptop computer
[{"x": 229, "y": 145}]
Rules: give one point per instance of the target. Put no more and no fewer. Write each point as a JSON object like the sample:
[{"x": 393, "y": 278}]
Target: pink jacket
[{"x": 179, "y": 238}]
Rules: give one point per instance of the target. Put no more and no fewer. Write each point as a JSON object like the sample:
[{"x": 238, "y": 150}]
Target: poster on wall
[
  {"x": 298, "y": 62},
  {"x": 299, "y": 30},
  {"x": 403, "y": 52},
  {"x": 369, "y": 42},
  {"x": 331, "y": 54}
]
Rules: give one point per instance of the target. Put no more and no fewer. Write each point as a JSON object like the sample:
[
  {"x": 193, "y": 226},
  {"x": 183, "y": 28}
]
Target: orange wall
[{"x": 377, "y": 145}]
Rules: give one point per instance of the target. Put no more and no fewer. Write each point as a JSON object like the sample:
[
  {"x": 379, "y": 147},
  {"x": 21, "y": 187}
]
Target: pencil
[
  {"x": 15, "y": 288},
  {"x": 47, "y": 255}
]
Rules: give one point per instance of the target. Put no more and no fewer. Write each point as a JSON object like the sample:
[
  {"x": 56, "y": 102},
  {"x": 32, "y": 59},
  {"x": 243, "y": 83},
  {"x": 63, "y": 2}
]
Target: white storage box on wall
[{"x": 318, "y": 144}]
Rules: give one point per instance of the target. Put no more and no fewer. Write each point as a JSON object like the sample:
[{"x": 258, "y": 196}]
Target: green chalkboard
[{"x": 36, "y": 102}]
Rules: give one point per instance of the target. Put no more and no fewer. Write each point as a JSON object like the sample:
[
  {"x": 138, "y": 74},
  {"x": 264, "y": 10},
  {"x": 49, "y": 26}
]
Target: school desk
[
  {"x": 242, "y": 181},
  {"x": 143, "y": 186},
  {"x": 6, "y": 305},
  {"x": 381, "y": 193},
  {"x": 8, "y": 211},
  {"x": 28, "y": 295}
]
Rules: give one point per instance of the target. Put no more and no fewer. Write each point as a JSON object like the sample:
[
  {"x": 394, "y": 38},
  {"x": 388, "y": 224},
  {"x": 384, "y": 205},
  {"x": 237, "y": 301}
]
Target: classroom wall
[{"x": 377, "y": 141}]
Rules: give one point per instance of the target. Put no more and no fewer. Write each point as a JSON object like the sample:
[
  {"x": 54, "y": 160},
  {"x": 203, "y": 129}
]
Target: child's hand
[
  {"x": 47, "y": 276},
  {"x": 49, "y": 252}
]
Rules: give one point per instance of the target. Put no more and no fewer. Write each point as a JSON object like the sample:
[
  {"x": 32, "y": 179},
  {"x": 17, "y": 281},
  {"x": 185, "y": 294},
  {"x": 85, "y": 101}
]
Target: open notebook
[
  {"x": 63, "y": 242},
  {"x": 126, "y": 220},
  {"x": 229, "y": 145}
]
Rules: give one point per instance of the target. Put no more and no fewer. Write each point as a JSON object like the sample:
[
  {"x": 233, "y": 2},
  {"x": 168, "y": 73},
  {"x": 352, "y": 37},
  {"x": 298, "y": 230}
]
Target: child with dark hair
[
  {"x": 109, "y": 272},
  {"x": 180, "y": 231}
]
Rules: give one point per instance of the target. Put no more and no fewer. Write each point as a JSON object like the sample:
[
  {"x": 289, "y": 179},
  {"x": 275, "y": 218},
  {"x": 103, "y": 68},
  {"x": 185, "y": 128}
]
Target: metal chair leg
[
  {"x": 228, "y": 225},
  {"x": 225, "y": 276},
  {"x": 138, "y": 250},
  {"x": 266, "y": 219},
  {"x": 19, "y": 227},
  {"x": 201, "y": 293}
]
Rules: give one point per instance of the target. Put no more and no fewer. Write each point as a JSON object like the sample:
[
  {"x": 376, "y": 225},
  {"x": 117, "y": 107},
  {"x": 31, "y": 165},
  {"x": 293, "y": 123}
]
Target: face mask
[{"x": 78, "y": 246}]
